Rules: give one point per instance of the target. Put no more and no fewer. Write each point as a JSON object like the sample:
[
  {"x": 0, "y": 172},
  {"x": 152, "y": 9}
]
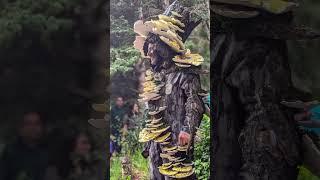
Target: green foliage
[
  {"x": 199, "y": 9},
  {"x": 121, "y": 32},
  {"x": 25, "y": 20},
  {"x": 126, "y": 8},
  {"x": 199, "y": 42},
  {"x": 123, "y": 59},
  {"x": 130, "y": 143},
  {"x": 140, "y": 166},
  {"x": 115, "y": 168},
  {"x": 131, "y": 148},
  {"x": 123, "y": 14},
  {"x": 202, "y": 150},
  {"x": 305, "y": 174}
]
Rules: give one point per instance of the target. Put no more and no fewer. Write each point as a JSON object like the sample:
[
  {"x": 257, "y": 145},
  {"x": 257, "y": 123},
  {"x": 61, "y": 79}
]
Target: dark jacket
[
  {"x": 117, "y": 120},
  {"x": 19, "y": 160}
]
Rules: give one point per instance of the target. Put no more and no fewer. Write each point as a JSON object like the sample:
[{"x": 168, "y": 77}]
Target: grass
[
  {"x": 115, "y": 170},
  {"x": 141, "y": 164},
  {"x": 140, "y": 167}
]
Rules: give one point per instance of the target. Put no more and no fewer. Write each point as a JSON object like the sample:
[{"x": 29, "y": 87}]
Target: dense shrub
[{"x": 202, "y": 150}]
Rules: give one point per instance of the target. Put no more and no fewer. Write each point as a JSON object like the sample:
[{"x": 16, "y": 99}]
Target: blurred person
[
  {"x": 76, "y": 161},
  {"x": 118, "y": 113},
  {"x": 131, "y": 119},
  {"x": 130, "y": 133},
  {"x": 27, "y": 157}
]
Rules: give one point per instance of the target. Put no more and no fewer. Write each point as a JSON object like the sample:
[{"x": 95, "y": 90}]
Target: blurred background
[
  {"x": 304, "y": 55},
  {"x": 53, "y": 60},
  {"x": 126, "y": 69}
]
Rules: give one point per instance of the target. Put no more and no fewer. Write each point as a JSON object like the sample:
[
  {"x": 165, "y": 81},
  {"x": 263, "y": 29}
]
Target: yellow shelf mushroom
[
  {"x": 170, "y": 148},
  {"x": 100, "y": 107},
  {"x": 167, "y": 172},
  {"x": 182, "y": 168},
  {"x": 171, "y": 19},
  {"x": 190, "y": 59},
  {"x": 162, "y": 138},
  {"x": 161, "y": 130},
  {"x": 182, "y": 174},
  {"x": 173, "y": 44}
]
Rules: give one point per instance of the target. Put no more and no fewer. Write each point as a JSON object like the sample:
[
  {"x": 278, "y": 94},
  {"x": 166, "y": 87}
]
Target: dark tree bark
[{"x": 253, "y": 136}]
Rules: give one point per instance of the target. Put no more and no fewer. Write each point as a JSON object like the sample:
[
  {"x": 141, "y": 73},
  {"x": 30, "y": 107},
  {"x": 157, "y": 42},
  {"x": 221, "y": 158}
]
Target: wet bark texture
[
  {"x": 254, "y": 138},
  {"x": 155, "y": 161}
]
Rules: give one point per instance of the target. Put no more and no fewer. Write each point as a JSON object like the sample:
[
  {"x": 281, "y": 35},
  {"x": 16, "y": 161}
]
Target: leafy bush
[
  {"x": 130, "y": 144},
  {"x": 121, "y": 32},
  {"x": 26, "y": 22},
  {"x": 202, "y": 150},
  {"x": 123, "y": 59}
]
